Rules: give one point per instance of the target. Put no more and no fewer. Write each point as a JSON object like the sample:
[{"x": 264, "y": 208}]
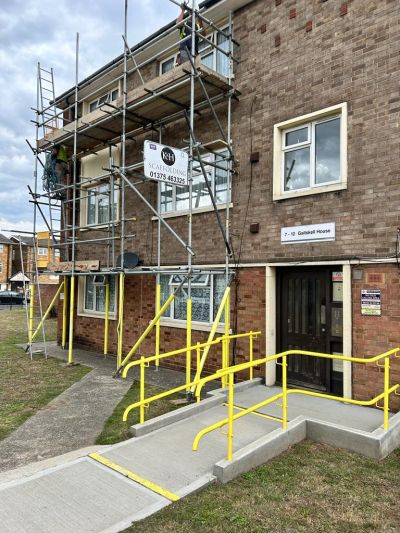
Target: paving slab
[{"x": 81, "y": 496}]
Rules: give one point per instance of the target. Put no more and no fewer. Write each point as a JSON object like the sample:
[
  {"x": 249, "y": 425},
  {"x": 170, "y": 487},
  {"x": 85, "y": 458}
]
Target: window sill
[
  {"x": 200, "y": 210},
  {"x": 307, "y": 192},
  {"x": 196, "y": 326},
  {"x": 111, "y": 316}
]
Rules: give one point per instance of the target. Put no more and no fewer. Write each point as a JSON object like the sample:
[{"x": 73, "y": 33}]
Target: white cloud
[{"x": 45, "y": 32}]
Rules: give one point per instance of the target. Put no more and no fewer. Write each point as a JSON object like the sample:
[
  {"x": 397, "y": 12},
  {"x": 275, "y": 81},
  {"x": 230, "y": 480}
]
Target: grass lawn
[
  {"x": 115, "y": 430},
  {"x": 25, "y": 385},
  {"x": 311, "y": 488}
]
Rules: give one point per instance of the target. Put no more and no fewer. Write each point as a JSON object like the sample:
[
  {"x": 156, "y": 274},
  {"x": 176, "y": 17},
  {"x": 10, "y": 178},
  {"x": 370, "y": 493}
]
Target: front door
[{"x": 304, "y": 307}]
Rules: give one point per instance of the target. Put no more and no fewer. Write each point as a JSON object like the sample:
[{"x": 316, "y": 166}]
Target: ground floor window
[
  {"x": 94, "y": 297},
  {"x": 207, "y": 293}
]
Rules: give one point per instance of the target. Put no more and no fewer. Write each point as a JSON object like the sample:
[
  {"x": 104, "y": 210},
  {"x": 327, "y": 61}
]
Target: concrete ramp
[{"x": 117, "y": 485}]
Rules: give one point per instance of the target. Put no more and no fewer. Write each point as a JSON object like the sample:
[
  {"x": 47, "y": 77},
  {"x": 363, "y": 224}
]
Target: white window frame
[
  {"x": 83, "y": 311},
  {"x": 108, "y": 99},
  {"x": 211, "y": 171},
  {"x": 85, "y": 205},
  {"x": 174, "y": 57},
  {"x": 42, "y": 251},
  {"x": 1, "y": 248},
  {"x": 309, "y": 120},
  {"x": 197, "y": 325},
  {"x": 1, "y": 267},
  {"x": 210, "y": 50}
]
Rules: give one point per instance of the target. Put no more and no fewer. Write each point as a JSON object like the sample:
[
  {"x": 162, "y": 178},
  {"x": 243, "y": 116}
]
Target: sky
[{"x": 33, "y": 31}]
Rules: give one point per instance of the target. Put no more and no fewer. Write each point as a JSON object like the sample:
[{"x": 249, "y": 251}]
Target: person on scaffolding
[
  {"x": 55, "y": 168},
  {"x": 185, "y": 34}
]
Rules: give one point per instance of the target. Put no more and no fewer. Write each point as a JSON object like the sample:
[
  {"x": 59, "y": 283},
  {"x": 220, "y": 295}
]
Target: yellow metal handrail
[
  {"x": 144, "y": 362},
  {"x": 230, "y": 372}
]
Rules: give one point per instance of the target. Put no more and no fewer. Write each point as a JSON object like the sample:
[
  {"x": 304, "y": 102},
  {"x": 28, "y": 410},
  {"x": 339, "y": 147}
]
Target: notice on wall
[
  {"x": 310, "y": 233},
  {"x": 371, "y": 302},
  {"x": 163, "y": 163}
]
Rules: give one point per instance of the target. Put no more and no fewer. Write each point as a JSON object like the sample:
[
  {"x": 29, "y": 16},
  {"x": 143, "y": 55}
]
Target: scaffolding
[{"x": 180, "y": 94}]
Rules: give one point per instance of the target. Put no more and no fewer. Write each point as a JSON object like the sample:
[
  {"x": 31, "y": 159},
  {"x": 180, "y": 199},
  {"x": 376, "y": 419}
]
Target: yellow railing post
[
  {"x": 214, "y": 327},
  {"x": 31, "y": 308},
  {"x": 142, "y": 389},
  {"x": 230, "y": 416},
  {"x": 106, "y": 317},
  {"x": 65, "y": 314},
  {"x": 226, "y": 342},
  {"x": 158, "y": 305},
  {"x": 188, "y": 343},
  {"x": 251, "y": 355},
  {"x": 71, "y": 320},
  {"x": 284, "y": 392},
  {"x": 386, "y": 396},
  {"x": 120, "y": 326}
]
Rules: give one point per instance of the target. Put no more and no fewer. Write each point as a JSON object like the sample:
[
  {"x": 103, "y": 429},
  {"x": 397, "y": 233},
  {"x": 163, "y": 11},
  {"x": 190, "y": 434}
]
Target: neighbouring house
[
  {"x": 5, "y": 262},
  {"x": 314, "y": 199}
]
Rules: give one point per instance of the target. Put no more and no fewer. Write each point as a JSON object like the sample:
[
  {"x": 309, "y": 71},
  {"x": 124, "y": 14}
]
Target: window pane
[
  {"x": 166, "y": 198},
  {"x": 180, "y": 304},
  {"x": 93, "y": 106},
  {"x": 222, "y": 59},
  {"x": 201, "y": 197},
  {"x": 296, "y": 137},
  {"x": 182, "y": 198},
  {"x": 168, "y": 65},
  {"x": 201, "y": 304},
  {"x": 219, "y": 289},
  {"x": 297, "y": 169},
  {"x": 327, "y": 151},
  {"x": 208, "y": 60},
  {"x": 91, "y": 209},
  {"x": 114, "y": 94},
  {"x": 100, "y": 298},
  {"x": 103, "y": 204},
  {"x": 221, "y": 179},
  {"x": 112, "y": 294},
  {"x": 89, "y": 297},
  {"x": 165, "y": 292}
]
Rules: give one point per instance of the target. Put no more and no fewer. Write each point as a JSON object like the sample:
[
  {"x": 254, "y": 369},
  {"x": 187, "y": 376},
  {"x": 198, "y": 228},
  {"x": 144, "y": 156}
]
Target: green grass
[
  {"x": 312, "y": 488},
  {"x": 25, "y": 385},
  {"x": 115, "y": 430}
]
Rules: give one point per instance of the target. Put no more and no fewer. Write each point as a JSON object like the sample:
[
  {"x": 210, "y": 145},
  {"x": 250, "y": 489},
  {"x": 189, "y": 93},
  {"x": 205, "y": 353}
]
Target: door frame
[{"x": 271, "y": 318}]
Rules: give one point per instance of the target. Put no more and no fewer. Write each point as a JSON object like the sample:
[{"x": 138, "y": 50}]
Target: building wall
[
  {"x": 5, "y": 259},
  {"x": 139, "y": 309},
  {"x": 376, "y": 334}
]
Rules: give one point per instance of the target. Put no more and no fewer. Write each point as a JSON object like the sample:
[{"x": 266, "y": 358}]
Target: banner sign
[{"x": 163, "y": 163}]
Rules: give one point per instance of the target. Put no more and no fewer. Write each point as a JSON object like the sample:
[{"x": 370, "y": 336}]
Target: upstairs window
[
  {"x": 310, "y": 153},
  {"x": 168, "y": 64},
  {"x": 98, "y": 204},
  {"x": 1, "y": 268},
  {"x": 1, "y": 248},
  {"x": 175, "y": 199},
  {"x": 42, "y": 252},
  {"x": 213, "y": 58},
  {"x": 106, "y": 98}
]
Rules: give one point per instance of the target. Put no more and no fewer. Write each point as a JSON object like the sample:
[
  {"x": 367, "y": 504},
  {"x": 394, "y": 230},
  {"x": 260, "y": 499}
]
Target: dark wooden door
[{"x": 304, "y": 312}]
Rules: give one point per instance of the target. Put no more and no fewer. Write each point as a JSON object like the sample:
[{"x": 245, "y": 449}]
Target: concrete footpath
[{"x": 75, "y": 418}]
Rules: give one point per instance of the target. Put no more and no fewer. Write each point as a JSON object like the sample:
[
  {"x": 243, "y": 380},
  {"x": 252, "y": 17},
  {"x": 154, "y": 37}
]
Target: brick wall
[
  {"x": 47, "y": 293},
  {"x": 373, "y": 335},
  {"x": 5, "y": 259},
  {"x": 140, "y": 309}
]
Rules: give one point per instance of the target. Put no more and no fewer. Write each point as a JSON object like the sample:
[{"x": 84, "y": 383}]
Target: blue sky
[{"x": 32, "y": 31}]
